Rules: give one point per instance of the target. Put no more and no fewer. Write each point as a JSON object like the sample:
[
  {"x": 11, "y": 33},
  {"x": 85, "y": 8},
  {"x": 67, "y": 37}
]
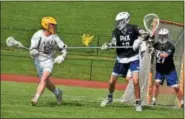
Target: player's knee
[
  {"x": 157, "y": 82},
  {"x": 176, "y": 88},
  {"x": 45, "y": 76},
  {"x": 136, "y": 83},
  {"x": 128, "y": 78},
  {"x": 112, "y": 80},
  {"x": 135, "y": 80}
]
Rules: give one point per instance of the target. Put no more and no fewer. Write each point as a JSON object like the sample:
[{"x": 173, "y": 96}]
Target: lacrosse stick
[
  {"x": 96, "y": 47},
  {"x": 87, "y": 39},
  {"x": 10, "y": 41},
  {"x": 151, "y": 22}
]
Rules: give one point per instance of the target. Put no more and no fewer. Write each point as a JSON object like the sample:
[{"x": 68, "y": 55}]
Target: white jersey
[{"x": 46, "y": 45}]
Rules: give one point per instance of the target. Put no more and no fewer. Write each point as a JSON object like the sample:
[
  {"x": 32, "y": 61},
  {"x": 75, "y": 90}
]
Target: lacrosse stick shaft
[
  {"x": 151, "y": 23},
  {"x": 96, "y": 47},
  {"x": 25, "y": 47}
]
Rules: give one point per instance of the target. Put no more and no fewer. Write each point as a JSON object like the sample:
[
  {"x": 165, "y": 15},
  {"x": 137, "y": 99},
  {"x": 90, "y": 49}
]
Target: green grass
[
  {"x": 15, "y": 103},
  {"x": 74, "y": 67},
  {"x": 75, "y": 18}
]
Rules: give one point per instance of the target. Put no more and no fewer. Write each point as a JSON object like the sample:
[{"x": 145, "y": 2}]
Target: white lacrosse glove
[
  {"x": 59, "y": 59},
  {"x": 34, "y": 52},
  {"x": 144, "y": 34},
  {"x": 137, "y": 43},
  {"x": 105, "y": 46}
]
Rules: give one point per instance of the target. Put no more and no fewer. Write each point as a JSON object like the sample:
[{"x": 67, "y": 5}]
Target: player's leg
[
  {"x": 41, "y": 87},
  {"x": 44, "y": 69},
  {"x": 112, "y": 83},
  {"x": 155, "y": 92},
  {"x": 127, "y": 91},
  {"x": 179, "y": 96},
  {"x": 172, "y": 81},
  {"x": 50, "y": 85},
  {"x": 134, "y": 67},
  {"x": 117, "y": 71},
  {"x": 159, "y": 79},
  {"x": 56, "y": 91},
  {"x": 129, "y": 76}
]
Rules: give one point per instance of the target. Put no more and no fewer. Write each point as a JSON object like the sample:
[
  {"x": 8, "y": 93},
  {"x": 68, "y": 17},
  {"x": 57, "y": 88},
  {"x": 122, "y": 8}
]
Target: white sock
[
  {"x": 37, "y": 96},
  {"x": 182, "y": 101},
  {"x": 154, "y": 99}
]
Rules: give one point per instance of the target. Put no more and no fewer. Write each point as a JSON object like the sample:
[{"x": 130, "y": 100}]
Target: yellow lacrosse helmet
[{"x": 46, "y": 22}]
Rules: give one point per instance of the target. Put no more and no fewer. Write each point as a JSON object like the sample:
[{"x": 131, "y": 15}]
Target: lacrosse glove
[
  {"x": 146, "y": 36},
  {"x": 59, "y": 59},
  {"x": 34, "y": 52},
  {"x": 105, "y": 46}
]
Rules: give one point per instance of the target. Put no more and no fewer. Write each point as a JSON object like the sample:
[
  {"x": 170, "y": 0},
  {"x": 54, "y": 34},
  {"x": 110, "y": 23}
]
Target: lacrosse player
[
  {"x": 127, "y": 35},
  {"x": 165, "y": 68},
  {"x": 43, "y": 45}
]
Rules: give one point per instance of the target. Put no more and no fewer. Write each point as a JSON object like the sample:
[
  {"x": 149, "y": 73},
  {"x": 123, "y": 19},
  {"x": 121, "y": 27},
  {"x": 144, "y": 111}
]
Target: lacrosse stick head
[
  {"x": 151, "y": 22},
  {"x": 87, "y": 39},
  {"x": 10, "y": 41}
]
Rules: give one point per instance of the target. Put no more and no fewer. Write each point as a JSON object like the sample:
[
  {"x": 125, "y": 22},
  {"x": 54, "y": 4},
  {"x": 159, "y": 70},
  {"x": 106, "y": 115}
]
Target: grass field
[
  {"x": 75, "y": 18},
  {"x": 73, "y": 68},
  {"x": 80, "y": 18},
  {"x": 22, "y": 19},
  {"x": 15, "y": 103}
]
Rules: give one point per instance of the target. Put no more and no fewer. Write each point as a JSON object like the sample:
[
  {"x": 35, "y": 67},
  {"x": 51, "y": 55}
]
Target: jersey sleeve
[
  {"x": 61, "y": 46},
  {"x": 113, "y": 41},
  {"x": 171, "y": 50},
  {"x": 136, "y": 29},
  {"x": 35, "y": 41},
  {"x": 59, "y": 42}
]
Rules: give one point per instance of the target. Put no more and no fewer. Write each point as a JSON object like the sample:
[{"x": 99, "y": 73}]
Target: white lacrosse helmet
[
  {"x": 163, "y": 35},
  {"x": 122, "y": 19}
]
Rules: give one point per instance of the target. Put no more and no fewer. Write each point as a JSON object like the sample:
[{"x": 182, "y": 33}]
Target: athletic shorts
[
  {"x": 121, "y": 69},
  {"x": 43, "y": 66},
  {"x": 171, "y": 78}
]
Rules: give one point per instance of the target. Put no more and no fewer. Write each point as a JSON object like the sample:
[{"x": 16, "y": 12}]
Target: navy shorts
[
  {"x": 121, "y": 69},
  {"x": 171, "y": 78}
]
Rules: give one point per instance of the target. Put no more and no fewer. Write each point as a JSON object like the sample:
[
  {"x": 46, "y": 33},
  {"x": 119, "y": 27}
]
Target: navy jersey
[
  {"x": 126, "y": 37},
  {"x": 165, "y": 65}
]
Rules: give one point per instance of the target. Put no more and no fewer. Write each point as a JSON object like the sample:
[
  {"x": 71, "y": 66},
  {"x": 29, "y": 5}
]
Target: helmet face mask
[
  {"x": 163, "y": 38},
  {"x": 163, "y": 35},
  {"x": 122, "y": 19},
  {"x": 121, "y": 24},
  {"x": 49, "y": 24}
]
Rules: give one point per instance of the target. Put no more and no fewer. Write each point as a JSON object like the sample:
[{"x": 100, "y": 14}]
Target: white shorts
[{"x": 43, "y": 66}]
